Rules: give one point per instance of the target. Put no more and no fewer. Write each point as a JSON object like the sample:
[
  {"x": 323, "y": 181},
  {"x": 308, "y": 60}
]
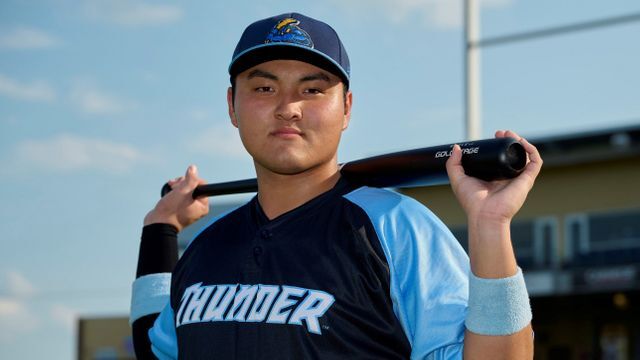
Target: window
[
  {"x": 576, "y": 236},
  {"x": 522, "y": 238},
  {"x": 614, "y": 231},
  {"x": 611, "y": 237},
  {"x": 545, "y": 242}
]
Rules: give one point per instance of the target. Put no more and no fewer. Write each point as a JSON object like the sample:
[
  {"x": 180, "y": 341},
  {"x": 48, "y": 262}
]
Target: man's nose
[{"x": 289, "y": 108}]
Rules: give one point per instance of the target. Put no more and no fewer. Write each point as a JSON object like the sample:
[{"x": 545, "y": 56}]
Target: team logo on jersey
[
  {"x": 272, "y": 304},
  {"x": 287, "y": 30}
]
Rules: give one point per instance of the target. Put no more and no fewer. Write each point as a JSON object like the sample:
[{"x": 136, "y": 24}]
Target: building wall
[{"x": 107, "y": 338}]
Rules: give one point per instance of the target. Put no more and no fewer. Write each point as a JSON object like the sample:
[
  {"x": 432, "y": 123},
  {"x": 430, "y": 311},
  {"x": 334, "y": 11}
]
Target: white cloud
[
  {"x": 17, "y": 285},
  {"x": 64, "y": 315},
  {"x": 218, "y": 140},
  {"x": 38, "y": 91},
  {"x": 71, "y": 153},
  {"x": 24, "y": 38},
  {"x": 15, "y": 320},
  {"x": 92, "y": 100},
  {"x": 9, "y": 307},
  {"x": 134, "y": 13},
  {"x": 443, "y": 14}
]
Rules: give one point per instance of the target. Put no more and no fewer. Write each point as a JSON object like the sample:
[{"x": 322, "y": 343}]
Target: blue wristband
[
  {"x": 498, "y": 306},
  {"x": 149, "y": 295}
]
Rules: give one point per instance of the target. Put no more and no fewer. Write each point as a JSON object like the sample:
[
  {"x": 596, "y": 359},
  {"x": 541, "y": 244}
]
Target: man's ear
[
  {"x": 230, "y": 105},
  {"x": 348, "y": 101}
]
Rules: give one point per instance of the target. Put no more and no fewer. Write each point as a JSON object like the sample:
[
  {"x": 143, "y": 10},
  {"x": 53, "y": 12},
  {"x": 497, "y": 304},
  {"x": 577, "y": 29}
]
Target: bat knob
[
  {"x": 499, "y": 159},
  {"x": 516, "y": 157},
  {"x": 166, "y": 188}
]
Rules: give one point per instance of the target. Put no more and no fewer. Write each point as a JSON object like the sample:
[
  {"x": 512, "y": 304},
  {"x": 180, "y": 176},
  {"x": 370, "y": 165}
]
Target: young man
[{"x": 316, "y": 267}]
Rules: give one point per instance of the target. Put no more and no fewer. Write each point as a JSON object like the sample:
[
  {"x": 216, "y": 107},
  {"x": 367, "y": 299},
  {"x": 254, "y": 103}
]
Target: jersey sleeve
[
  {"x": 428, "y": 268},
  {"x": 163, "y": 338}
]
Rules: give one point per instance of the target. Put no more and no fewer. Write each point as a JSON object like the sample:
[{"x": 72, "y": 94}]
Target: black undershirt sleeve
[
  {"x": 158, "y": 254},
  {"x": 158, "y": 249}
]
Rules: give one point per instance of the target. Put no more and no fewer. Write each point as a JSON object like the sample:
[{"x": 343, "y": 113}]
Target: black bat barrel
[{"x": 490, "y": 159}]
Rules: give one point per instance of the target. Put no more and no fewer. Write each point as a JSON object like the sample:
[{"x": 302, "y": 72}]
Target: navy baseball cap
[{"x": 291, "y": 36}]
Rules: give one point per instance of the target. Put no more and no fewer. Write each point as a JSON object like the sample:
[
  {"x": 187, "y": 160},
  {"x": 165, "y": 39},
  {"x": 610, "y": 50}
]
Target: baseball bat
[{"x": 489, "y": 160}]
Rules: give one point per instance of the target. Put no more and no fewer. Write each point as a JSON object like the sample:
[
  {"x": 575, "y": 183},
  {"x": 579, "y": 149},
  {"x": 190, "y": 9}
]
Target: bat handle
[{"x": 226, "y": 188}]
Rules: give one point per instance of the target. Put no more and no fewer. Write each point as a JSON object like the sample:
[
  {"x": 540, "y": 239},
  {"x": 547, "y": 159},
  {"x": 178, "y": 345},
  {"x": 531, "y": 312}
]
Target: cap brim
[{"x": 285, "y": 51}]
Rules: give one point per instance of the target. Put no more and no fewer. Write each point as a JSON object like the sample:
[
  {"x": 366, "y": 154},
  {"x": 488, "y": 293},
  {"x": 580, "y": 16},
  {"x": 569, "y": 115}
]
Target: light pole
[{"x": 472, "y": 71}]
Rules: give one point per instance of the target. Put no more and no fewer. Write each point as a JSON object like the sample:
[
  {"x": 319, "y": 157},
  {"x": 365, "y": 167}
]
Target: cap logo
[{"x": 287, "y": 30}]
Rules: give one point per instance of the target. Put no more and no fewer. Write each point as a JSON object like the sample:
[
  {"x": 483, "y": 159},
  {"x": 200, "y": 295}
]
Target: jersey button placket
[
  {"x": 266, "y": 234},
  {"x": 258, "y": 248}
]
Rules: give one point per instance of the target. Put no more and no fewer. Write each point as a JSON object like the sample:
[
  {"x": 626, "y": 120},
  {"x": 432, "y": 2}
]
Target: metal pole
[
  {"x": 472, "y": 71},
  {"x": 473, "y": 44}
]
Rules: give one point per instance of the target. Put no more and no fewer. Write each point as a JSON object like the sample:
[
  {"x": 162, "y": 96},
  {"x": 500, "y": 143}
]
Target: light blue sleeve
[
  {"x": 164, "y": 343},
  {"x": 429, "y": 272}
]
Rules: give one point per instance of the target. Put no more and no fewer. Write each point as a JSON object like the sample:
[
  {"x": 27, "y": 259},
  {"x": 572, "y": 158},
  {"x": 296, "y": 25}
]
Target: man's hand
[
  {"x": 178, "y": 208},
  {"x": 490, "y": 206},
  {"x": 495, "y": 200}
]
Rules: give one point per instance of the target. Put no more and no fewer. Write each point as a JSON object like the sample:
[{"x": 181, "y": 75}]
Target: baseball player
[{"x": 314, "y": 267}]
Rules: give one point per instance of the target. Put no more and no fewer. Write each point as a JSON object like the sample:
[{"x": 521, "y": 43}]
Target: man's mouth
[{"x": 287, "y": 133}]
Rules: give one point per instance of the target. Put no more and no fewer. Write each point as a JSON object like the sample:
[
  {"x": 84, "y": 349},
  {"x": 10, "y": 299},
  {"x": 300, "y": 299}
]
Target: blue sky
[{"x": 102, "y": 101}]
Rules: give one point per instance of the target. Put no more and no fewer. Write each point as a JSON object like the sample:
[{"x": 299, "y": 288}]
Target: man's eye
[
  {"x": 313, "y": 91},
  {"x": 264, "y": 89}
]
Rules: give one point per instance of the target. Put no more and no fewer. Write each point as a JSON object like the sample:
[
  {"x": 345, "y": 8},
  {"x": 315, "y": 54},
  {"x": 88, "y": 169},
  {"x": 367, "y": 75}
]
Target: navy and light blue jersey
[{"x": 354, "y": 273}]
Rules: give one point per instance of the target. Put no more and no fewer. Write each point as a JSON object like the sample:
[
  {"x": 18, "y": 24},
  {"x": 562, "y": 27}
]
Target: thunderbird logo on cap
[{"x": 287, "y": 30}]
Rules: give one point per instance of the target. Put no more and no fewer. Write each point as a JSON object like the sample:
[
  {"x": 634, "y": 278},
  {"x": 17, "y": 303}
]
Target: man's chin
[
  {"x": 287, "y": 167},
  {"x": 282, "y": 167},
  {"x": 289, "y": 170}
]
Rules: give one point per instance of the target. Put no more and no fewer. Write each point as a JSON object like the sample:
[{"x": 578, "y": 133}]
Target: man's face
[{"x": 290, "y": 115}]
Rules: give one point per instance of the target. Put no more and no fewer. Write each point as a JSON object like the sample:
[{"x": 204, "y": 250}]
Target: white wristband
[
  {"x": 498, "y": 306},
  {"x": 149, "y": 295}
]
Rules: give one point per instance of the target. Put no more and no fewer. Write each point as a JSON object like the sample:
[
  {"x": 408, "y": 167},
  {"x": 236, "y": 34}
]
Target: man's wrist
[
  {"x": 154, "y": 218},
  {"x": 158, "y": 249},
  {"x": 498, "y": 306},
  {"x": 159, "y": 229},
  {"x": 488, "y": 223},
  {"x": 490, "y": 248}
]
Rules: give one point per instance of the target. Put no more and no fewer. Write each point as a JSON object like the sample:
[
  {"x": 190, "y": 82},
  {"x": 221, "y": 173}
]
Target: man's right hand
[{"x": 178, "y": 208}]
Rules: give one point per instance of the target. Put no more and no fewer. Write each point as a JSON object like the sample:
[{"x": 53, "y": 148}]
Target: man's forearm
[{"x": 508, "y": 347}]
